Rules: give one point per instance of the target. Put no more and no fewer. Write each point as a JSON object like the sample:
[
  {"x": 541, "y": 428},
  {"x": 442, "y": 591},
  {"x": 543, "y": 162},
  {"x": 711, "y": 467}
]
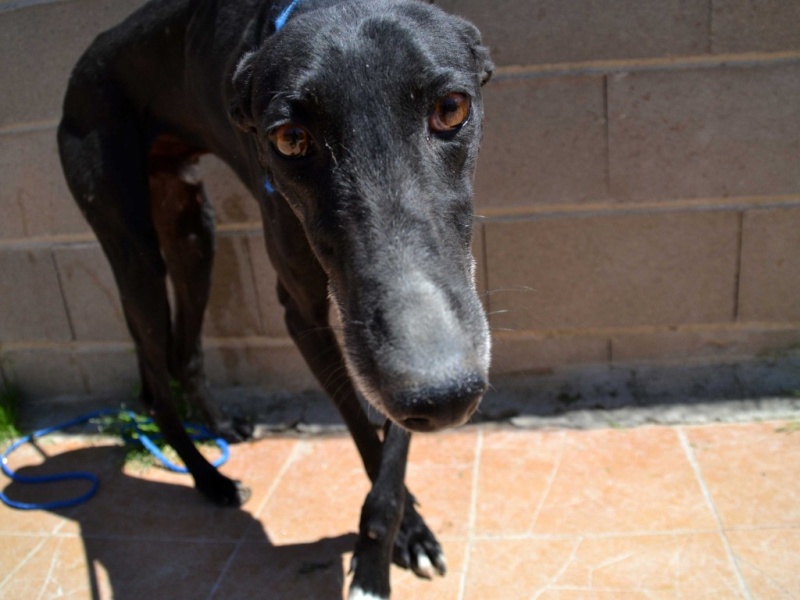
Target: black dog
[{"x": 356, "y": 125}]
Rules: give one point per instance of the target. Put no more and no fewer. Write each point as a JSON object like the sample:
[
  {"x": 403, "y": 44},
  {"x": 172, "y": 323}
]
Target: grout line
[
  {"x": 261, "y": 303},
  {"x": 687, "y": 448},
  {"x": 64, "y": 302},
  {"x": 24, "y": 561},
  {"x": 453, "y": 537},
  {"x": 611, "y": 535},
  {"x": 51, "y": 569},
  {"x": 473, "y": 511},
  {"x": 550, "y": 480},
  {"x": 549, "y": 583},
  {"x": 710, "y": 28},
  {"x": 738, "y": 273},
  {"x": 267, "y": 497},
  {"x": 607, "y": 134},
  {"x": 43, "y": 240},
  {"x": 605, "y": 332},
  {"x": 635, "y": 65},
  {"x": 488, "y": 214},
  {"x": 616, "y": 207},
  {"x": 30, "y": 126}
]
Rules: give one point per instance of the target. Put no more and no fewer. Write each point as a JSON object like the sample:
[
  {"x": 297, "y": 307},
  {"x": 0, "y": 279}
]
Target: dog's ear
[
  {"x": 480, "y": 53},
  {"x": 240, "y": 108}
]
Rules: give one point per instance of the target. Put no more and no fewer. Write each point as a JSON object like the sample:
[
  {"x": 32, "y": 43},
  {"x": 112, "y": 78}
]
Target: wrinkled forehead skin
[{"x": 357, "y": 56}]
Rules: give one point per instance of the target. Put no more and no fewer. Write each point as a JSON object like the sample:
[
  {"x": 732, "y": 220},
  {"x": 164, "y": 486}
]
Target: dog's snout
[{"x": 436, "y": 408}]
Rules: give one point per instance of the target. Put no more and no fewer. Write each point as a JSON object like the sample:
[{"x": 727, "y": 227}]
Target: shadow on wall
[{"x": 637, "y": 394}]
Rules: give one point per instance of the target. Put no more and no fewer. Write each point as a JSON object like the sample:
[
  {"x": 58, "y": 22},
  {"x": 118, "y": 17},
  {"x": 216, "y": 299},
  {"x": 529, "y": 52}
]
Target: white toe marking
[
  {"x": 424, "y": 565},
  {"x": 359, "y": 594}
]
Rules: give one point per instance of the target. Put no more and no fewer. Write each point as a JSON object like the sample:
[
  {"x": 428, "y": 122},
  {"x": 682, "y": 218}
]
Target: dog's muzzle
[
  {"x": 436, "y": 408},
  {"x": 420, "y": 358}
]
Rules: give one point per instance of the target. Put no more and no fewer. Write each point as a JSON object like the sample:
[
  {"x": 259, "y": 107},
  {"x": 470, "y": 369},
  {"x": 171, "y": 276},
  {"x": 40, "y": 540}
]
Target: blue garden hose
[{"x": 132, "y": 432}]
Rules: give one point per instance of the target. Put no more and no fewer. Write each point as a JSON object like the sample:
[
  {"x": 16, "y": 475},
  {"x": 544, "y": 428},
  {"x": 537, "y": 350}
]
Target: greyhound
[{"x": 356, "y": 126}]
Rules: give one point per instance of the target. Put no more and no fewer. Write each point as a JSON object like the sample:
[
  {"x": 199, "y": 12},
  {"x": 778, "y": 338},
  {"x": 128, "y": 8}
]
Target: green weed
[{"x": 9, "y": 413}]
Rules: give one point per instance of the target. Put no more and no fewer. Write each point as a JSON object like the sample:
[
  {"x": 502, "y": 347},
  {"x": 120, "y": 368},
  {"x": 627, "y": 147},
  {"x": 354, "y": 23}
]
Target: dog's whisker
[{"x": 521, "y": 288}]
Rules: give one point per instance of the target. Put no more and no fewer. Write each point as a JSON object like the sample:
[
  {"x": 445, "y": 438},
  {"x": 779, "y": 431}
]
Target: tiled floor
[{"x": 655, "y": 512}]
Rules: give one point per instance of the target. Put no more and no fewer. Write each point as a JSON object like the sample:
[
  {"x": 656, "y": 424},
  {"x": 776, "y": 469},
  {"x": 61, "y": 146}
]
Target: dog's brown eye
[
  {"x": 449, "y": 113},
  {"x": 291, "y": 140}
]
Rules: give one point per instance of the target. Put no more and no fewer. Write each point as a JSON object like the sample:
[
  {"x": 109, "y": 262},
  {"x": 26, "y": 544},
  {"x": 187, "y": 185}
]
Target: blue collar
[{"x": 284, "y": 16}]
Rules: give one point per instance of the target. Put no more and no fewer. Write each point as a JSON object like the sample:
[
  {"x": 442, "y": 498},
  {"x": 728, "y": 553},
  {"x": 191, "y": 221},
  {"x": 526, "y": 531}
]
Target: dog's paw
[
  {"x": 415, "y": 546},
  {"x": 235, "y": 430},
  {"x": 224, "y": 492}
]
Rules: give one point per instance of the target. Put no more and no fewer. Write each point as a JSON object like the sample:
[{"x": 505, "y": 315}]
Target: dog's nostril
[{"x": 435, "y": 408}]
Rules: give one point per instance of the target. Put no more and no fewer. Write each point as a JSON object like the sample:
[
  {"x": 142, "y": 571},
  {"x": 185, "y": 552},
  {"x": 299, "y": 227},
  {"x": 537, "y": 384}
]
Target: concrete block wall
[
  {"x": 638, "y": 196},
  {"x": 639, "y": 183}
]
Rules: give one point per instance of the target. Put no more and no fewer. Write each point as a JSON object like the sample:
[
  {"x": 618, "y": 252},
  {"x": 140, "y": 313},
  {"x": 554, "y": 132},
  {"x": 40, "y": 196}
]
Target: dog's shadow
[{"x": 145, "y": 538}]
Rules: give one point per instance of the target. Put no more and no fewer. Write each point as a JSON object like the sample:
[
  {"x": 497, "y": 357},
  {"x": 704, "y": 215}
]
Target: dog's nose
[{"x": 438, "y": 407}]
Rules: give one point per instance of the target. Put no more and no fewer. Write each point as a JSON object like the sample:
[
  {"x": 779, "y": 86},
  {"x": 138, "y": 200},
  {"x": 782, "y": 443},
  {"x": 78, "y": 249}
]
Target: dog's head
[{"x": 368, "y": 116}]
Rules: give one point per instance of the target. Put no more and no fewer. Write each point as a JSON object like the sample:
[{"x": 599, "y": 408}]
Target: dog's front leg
[{"x": 381, "y": 516}]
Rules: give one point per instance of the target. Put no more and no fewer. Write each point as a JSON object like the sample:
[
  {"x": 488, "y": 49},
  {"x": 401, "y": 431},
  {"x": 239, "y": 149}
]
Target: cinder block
[
  {"x": 109, "y": 369},
  {"x": 31, "y": 306},
  {"x": 716, "y": 345},
  {"x": 730, "y": 131},
  {"x": 613, "y": 271},
  {"x": 43, "y": 372},
  {"x": 266, "y": 280},
  {"x": 552, "y": 31},
  {"x": 544, "y": 142},
  {"x": 769, "y": 285},
  {"x": 272, "y": 367},
  {"x": 514, "y": 354},
  {"x": 90, "y": 293},
  {"x": 233, "y": 305},
  {"x": 763, "y": 26},
  {"x": 34, "y": 199},
  {"x": 233, "y": 202},
  {"x": 39, "y": 45}
]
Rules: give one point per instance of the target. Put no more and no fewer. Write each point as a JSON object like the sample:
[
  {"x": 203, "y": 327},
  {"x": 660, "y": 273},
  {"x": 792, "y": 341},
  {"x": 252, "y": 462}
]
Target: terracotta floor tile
[
  {"x": 319, "y": 570},
  {"x": 157, "y": 504},
  {"x": 405, "y": 584},
  {"x": 769, "y": 561},
  {"x": 512, "y": 568},
  {"x": 57, "y": 569},
  {"x": 288, "y": 571},
  {"x": 440, "y": 473},
  {"x": 444, "y": 495},
  {"x": 565, "y": 515},
  {"x": 323, "y": 490},
  {"x": 150, "y": 509},
  {"x": 261, "y": 460},
  {"x": 320, "y": 494},
  {"x": 15, "y": 551},
  {"x": 443, "y": 449},
  {"x": 589, "y": 482},
  {"x": 515, "y": 470},
  {"x": 752, "y": 472},
  {"x": 135, "y": 569},
  {"x": 100, "y": 457},
  {"x": 653, "y": 566}
]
